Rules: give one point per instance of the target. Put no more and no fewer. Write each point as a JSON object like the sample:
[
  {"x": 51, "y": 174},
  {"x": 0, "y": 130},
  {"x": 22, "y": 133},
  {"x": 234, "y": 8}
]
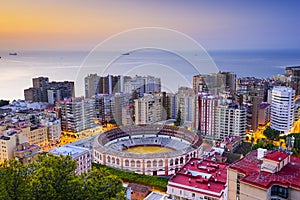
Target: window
[{"x": 280, "y": 191}]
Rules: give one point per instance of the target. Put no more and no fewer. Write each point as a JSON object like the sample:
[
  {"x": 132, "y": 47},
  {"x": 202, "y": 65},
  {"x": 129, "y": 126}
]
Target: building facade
[
  {"x": 26, "y": 153},
  {"x": 206, "y": 106},
  {"x": 51, "y": 92},
  {"x": 148, "y": 109},
  {"x": 91, "y": 85},
  {"x": 199, "y": 179},
  {"x": 81, "y": 155},
  {"x": 282, "y": 108},
  {"x": 230, "y": 121},
  {"x": 77, "y": 114},
  {"x": 9, "y": 140},
  {"x": 264, "y": 175}
]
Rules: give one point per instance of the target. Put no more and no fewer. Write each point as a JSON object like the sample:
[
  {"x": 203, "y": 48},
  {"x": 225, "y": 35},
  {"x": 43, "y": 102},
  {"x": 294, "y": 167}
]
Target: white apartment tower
[
  {"x": 282, "y": 108},
  {"x": 230, "y": 120}
]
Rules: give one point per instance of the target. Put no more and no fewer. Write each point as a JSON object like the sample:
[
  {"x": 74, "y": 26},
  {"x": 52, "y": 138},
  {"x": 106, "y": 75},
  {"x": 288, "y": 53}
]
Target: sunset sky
[{"x": 80, "y": 25}]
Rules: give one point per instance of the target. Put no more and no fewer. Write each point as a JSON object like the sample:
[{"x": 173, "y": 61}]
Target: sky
[{"x": 81, "y": 25}]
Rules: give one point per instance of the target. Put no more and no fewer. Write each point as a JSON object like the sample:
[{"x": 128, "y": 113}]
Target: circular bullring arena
[{"x": 147, "y": 149}]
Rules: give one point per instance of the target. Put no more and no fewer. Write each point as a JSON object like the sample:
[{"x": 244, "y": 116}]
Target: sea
[{"x": 174, "y": 68}]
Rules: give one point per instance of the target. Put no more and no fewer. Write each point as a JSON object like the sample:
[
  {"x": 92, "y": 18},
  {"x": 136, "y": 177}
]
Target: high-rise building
[
  {"x": 77, "y": 114},
  {"x": 294, "y": 73},
  {"x": 117, "y": 103},
  {"x": 91, "y": 84},
  {"x": 206, "y": 106},
  {"x": 171, "y": 106},
  {"x": 31, "y": 94},
  {"x": 214, "y": 83},
  {"x": 43, "y": 91},
  {"x": 230, "y": 121},
  {"x": 148, "y": 109},
  {"x": 41, "y": 83},
  {"x": 103, "y": 107},
  {"x": 185, "y": 98},
  {"x": 142, "y": 85},
  {"x": 67, "y": 89},
  {"x": 127, "y": 115},
  {"x": 54, "y": 96},
  {"x": 111, "y": 84},
  {"x": 253, "y": 112},
  {"x": 282, "y": 108},
  {"x": 230, "y": 81},
  {"x": 264, "y": 113}
]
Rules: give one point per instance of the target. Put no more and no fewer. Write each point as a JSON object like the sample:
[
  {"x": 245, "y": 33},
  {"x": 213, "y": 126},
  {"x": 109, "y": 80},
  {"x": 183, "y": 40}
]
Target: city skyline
[{"x": 59, "y": 25}]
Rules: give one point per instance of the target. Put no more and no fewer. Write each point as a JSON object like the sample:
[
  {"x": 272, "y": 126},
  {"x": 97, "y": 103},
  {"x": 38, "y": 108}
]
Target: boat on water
[
  {"x": 126, "y": 54},
  {"x": 13, "y": 54}
]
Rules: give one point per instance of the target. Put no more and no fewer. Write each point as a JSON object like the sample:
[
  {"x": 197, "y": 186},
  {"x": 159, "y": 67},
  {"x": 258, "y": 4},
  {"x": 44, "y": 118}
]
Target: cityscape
[{"x": 149, "y": 114}]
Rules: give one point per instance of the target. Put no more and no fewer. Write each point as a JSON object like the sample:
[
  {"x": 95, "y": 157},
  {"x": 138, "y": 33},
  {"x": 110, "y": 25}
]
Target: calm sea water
[{"x": 17, "y": 71}]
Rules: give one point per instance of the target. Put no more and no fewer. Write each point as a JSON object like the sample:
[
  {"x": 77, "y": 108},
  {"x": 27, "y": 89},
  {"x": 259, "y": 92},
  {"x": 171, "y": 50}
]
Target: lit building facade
[{"x": 77, "y": 114}]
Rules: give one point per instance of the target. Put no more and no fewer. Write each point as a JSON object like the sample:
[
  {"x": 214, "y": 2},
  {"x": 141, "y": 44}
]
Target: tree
[
  {"x": 178, "y": 118},
  {"x": 58, "y": 170},
  {"x": 110, "y": 187},
  {"x": 54, "y": 177},
  {"x": 271, "y": 134},
  {"x": 263, "y": 144},
  {"x": 13, "y": 178}
]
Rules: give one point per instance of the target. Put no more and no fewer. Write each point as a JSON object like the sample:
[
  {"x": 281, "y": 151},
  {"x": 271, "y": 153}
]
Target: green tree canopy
[
  {"x": 178, "y": 118},
  {"x": 271, "y": 134},
  {"x": 263, "y": 144},
  {"x": 53, "y": 177}
]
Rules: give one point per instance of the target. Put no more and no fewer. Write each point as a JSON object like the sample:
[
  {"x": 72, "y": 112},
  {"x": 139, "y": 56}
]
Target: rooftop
[
  {"x": 70, "y": 150},
  {"x": 282, "y": 89},
  {"x": 155, "y": 196},
  {"x": 289, "y": 175},
  {"x": 139, "y": 188},
  {"x": 205, "y": 176},
  {"x": 276, "y": 156},
  {"x": 264, "y": 105}
]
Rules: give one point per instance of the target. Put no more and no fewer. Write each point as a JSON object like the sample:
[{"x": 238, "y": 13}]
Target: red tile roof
[
  {"x": 206, "y": 176},
  {"x": 276, "y": 156},
  {"x": 289, "y": 175}
]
